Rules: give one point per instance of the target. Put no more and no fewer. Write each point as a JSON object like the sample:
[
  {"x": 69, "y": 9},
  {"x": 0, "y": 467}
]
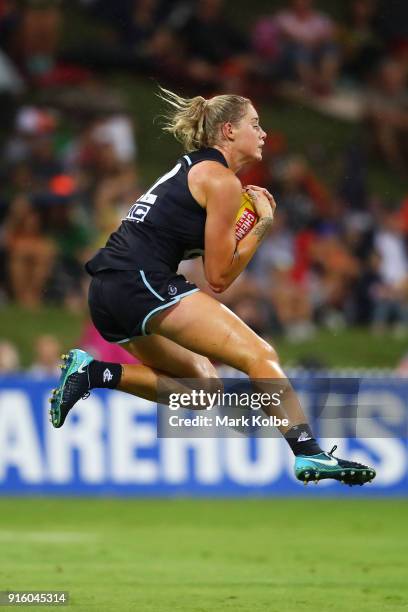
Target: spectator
[
  {"x": 336, "y": 270},
  {"x": 116, "y": 130},
  {"x": 390, "y": 294},
  {"x": 140, "y": 24},
  {"x": 47, "y": 350},
  {"x": 402, "y": 367},
  {"x": 30, "y": 254},
  {"x": 31, "y": 123},
  {"x": 358, "y": 238},
  {"x": 287, "y": 293},
  {"x": 256, "y": 313},
  {"x": 302, "y": 195},
  {"x": 9, "y": 358},
  {"x": 217, "y": 52},
  {"x": 9, "y": 20},
  {"x": 308, "y": 47},
  {"x": 103, "y": 159},
  {"x": 265, "y": 40},
  {"x": 38, "y": 37},
  {"x": 292, "y": 304},
  {"x": 116, "y": 187},
  {"x": 361, "y": 45},
  {"x": 73, "y": 240},
  {"x": 168, "y": 56},
  {"x": 44, "y": 165},
  {"x": 387, "y": 114}
]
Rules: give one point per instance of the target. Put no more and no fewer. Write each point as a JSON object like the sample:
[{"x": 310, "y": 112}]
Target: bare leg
[
  {"x": 203, "y": 325},
  {"x": 140, "y": 380},
  {"x": 163, "y": 362}
]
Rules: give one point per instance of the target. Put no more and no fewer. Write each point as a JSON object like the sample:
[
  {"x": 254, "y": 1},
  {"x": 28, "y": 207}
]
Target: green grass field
[{"x": 209, "y": 555}]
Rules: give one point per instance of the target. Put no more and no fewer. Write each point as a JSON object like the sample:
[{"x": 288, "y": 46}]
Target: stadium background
[{"x": 80, "y": 140}]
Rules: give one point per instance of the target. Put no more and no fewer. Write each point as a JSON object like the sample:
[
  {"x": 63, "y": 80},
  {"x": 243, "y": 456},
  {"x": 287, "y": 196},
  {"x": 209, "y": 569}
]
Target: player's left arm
[{"x": 225, "y": 259}]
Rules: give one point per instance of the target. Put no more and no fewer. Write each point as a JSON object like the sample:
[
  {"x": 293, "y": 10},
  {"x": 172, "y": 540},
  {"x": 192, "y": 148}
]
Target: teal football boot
[
  {"x": 324, "y": 465},
  {"x": 72, "y": 386}
]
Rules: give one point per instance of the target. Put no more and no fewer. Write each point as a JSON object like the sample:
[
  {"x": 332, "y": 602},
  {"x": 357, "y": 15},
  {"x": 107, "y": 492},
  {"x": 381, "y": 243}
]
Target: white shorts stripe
[
  {"x": 162, "y": 307},
  {"x": 148, "y": 285}
]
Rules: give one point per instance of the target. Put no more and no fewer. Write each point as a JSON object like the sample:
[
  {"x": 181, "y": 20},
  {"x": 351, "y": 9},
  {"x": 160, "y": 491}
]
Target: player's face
[{"x": 249, "y": 136}]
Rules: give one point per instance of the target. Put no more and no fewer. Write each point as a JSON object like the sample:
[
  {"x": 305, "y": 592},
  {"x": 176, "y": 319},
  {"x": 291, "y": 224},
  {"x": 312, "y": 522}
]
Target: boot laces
[{"x": 344, "y": 463}]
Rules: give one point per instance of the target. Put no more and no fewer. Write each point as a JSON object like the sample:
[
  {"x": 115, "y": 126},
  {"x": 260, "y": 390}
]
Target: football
[{"x": 246, "y": 217}]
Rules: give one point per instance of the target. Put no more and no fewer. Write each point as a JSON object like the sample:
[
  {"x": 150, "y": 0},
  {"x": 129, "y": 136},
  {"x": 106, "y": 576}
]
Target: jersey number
[{"x": 141, "y": 207}]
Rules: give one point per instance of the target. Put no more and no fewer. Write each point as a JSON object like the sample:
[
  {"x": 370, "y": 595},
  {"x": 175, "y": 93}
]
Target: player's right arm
[{"x": 225, "y": 259}]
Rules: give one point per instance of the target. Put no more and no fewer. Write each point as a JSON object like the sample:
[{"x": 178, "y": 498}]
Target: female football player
[{"x": 137, "y": 299}]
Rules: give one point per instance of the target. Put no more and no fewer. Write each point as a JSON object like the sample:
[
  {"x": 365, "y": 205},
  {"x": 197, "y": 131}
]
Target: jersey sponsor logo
[
  {"x": 142, "y": 206},
  {"x": 245, "y": 223},
  {"x": 138, "y": 212}
]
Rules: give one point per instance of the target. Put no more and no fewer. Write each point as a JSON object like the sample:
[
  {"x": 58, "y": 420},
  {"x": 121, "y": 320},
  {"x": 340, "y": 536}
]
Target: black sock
[
  {"x": 104, "y": 374},
  {"x": 301, "y": 441}
]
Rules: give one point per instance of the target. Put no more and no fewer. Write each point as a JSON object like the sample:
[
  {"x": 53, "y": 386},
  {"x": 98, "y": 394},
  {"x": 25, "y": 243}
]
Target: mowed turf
[{"x": 209, "y": 555}]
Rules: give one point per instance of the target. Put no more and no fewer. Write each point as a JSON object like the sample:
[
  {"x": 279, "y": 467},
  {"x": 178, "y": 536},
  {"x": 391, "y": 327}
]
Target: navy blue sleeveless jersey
[{"x": 164, "y": 226}]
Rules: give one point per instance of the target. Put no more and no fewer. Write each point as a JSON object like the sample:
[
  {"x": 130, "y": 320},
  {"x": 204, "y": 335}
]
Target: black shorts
[{"x": 121, "y": 302}]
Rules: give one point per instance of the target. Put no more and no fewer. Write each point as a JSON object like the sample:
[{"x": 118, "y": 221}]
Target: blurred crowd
[{"x": 334, "y": 257}]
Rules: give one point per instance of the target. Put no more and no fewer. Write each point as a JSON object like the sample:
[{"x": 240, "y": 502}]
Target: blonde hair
[{"x": 196, "y": 122}]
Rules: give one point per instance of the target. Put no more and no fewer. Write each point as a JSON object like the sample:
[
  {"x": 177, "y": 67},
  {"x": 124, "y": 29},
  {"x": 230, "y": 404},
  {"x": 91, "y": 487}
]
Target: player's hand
[
  {"x": 265, "y": 192},
  {"x": 261, "y": 202}
]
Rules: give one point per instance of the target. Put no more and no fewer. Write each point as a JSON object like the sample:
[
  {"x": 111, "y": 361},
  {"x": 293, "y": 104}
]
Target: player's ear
[{"x": 227, "y": 131}]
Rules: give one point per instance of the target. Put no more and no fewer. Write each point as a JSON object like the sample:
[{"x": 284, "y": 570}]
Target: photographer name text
[{"x": 255, "y": 420}]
